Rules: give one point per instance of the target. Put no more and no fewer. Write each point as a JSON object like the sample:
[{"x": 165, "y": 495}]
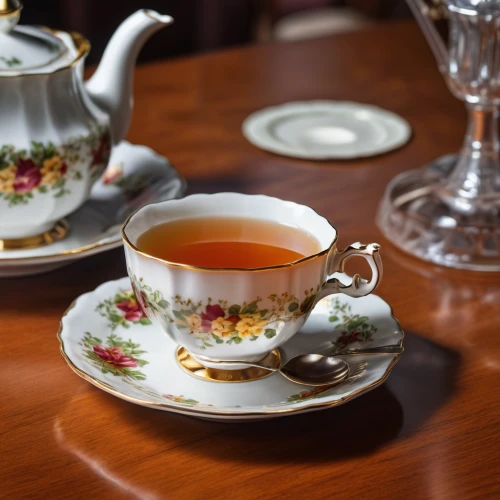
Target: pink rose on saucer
[
  {"x": 132, "y": 309},
  {"x": 114, "y": 356}
]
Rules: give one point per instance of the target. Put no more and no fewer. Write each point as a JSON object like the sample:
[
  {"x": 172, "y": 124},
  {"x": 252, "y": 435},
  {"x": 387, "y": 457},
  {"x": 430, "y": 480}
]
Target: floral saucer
[
  {"x": 107, "y": 341},
  {"x": 135, "y": 177}
]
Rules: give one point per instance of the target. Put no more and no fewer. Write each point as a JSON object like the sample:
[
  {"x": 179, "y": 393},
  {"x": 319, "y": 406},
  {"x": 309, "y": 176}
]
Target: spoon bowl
[{"x": 315, "y": 370}]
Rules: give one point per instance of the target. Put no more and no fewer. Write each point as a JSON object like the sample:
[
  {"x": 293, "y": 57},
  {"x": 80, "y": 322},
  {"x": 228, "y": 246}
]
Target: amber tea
[{"x": 226, "y": 242}]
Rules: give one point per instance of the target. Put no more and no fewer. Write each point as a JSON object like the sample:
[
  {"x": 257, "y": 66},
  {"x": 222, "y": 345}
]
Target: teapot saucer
[
  {"x": 105, "y": 340},
  {"x": 136, "y": 176}
]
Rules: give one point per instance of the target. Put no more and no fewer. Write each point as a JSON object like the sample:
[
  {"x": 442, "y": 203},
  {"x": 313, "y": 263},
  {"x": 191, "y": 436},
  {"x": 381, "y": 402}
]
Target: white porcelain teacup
[{"x": 239, "y": 314}]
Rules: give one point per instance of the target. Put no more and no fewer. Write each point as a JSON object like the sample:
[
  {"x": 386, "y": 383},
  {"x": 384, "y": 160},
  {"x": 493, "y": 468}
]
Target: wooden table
[{"x": 432, "y": 431}]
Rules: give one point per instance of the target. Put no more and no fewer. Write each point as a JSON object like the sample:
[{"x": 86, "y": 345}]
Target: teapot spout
[{"x": 110, "y": 88}]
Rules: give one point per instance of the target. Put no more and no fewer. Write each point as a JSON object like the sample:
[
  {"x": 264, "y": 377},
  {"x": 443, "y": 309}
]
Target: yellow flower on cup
[
  {"x": 250, "y": 324},
  {"x": 194, "y": 323},
  {"x": 222, "y": 327}
]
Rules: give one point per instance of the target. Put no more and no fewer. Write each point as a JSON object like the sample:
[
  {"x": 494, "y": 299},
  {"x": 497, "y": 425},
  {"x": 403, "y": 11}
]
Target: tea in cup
[{"x": 231, "y": 276}]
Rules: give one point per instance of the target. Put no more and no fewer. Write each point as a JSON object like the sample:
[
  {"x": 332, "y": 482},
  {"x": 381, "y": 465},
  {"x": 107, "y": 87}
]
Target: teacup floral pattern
[
  {"x": 217, "y": 321},
  {"x": 45, "y": 168}
]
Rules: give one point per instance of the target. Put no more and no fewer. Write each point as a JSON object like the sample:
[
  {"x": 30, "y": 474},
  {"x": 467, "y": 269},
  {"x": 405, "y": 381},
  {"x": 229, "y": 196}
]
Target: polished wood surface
[{"x": 431, "y": 432}]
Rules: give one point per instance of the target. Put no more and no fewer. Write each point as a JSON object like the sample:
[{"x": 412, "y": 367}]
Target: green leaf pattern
[
  {"x": 11, "y": 61},
  {"x": 353, "y": 327}
]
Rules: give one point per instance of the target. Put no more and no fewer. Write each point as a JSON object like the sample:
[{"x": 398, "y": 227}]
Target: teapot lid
[{"x": 28, "y": 49}]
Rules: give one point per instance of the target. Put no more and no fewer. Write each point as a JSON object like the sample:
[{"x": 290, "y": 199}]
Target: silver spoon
[{"x": 313, "y": 369}]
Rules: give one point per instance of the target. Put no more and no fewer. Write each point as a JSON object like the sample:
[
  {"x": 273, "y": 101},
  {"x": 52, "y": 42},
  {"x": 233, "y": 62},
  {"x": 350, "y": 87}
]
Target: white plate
[
  {"x": 320, "y": 130},
  {"x": 143, "y": 369},
  {"x": 136, "y": 176}
]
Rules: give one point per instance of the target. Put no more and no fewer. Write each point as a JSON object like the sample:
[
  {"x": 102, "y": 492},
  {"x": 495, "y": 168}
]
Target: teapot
[{"x": 56, "y": 130}]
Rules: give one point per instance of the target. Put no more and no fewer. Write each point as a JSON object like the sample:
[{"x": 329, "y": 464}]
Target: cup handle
[{"x": 358, "y": 287}]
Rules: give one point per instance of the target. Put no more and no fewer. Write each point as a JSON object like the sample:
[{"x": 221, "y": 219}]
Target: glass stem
[
  {"x": 474, "y": 184},
  {"x": 482, "y": 132}
]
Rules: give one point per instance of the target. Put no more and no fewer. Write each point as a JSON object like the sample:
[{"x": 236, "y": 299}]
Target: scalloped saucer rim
[{"x": 166, "y": 386}]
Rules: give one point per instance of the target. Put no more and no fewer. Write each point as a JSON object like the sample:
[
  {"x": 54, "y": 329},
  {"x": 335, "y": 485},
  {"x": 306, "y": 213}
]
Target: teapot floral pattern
[{"x": 45, "y": 168}]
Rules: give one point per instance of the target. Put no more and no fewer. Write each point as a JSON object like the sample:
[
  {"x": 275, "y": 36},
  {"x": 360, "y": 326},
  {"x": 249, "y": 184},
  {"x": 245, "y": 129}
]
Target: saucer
[
  {"x": 136, "y": 176},
  {"x": 105, "y": 339},
  {"x": 321, "y": 130}
]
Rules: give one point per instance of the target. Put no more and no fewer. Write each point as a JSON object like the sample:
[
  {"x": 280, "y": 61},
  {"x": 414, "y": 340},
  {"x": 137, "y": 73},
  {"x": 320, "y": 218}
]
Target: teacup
[{"x": 239, "y": 314}]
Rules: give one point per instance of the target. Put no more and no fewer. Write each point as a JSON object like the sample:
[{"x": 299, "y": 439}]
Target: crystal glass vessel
[{"x": 448, "y": 212}]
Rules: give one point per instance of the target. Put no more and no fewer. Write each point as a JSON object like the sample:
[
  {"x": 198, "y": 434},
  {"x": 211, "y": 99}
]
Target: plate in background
[{"x": 321, "y": 130}]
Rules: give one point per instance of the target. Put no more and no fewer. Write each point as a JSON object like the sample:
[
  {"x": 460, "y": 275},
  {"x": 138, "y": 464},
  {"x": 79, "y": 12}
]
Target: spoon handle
[{"x": 383, "y": 349}]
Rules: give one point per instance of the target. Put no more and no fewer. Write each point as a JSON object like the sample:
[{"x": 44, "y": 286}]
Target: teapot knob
[{"x": 10, "y": 11}]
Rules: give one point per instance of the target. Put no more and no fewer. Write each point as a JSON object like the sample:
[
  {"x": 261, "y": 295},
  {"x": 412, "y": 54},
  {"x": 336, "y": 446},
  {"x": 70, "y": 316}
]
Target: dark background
[{"x": 200, "y": 25}]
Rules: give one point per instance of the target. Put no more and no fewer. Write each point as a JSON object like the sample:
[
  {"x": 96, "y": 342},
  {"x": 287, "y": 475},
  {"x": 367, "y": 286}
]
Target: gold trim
[
  {"x": 202, "y": 412},
  {"x": 195, "y": 369},
  {"x": 57, "y": 233},
  {"x": 230, "y": 269},
  {"x": 67, "y": 254},
  {"x": 11, "y": 13},
  {"x": 82, "y": 46},
  {"x": 8, "y": 7}
]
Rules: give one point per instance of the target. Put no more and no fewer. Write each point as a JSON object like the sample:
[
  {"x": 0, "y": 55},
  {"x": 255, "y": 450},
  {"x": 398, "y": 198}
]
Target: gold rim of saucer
[
  {"x": 191, "y": 366},
  {"x": 57, "y": 233}
]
